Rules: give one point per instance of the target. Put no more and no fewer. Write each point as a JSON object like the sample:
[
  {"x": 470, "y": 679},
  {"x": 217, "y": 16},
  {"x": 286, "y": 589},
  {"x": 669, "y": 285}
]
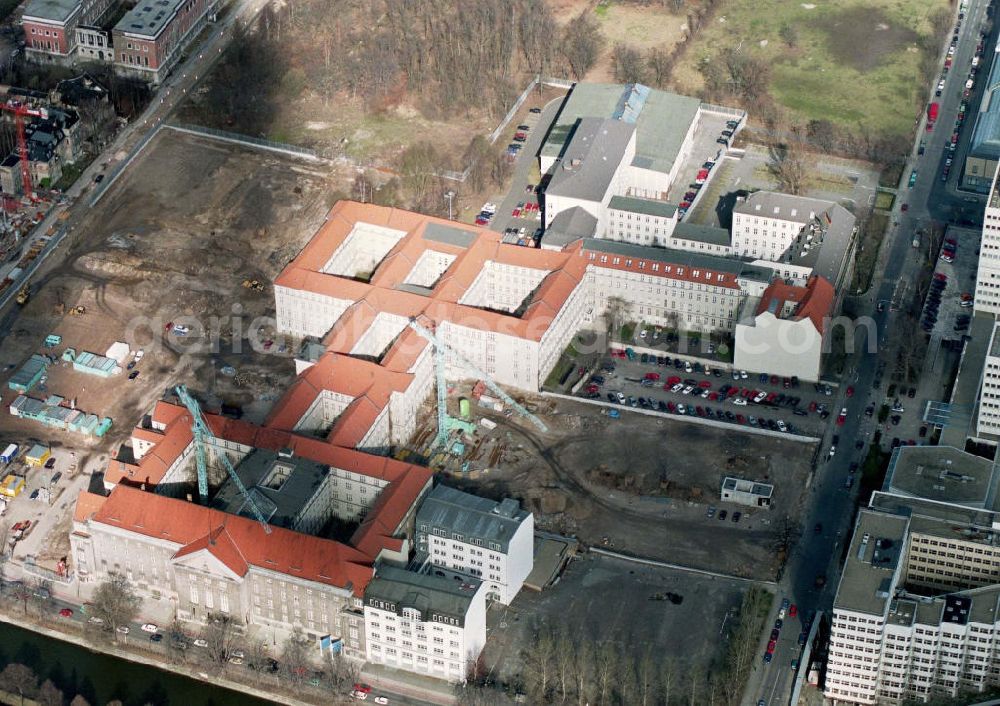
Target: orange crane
[{"x": 20, "y": 112}]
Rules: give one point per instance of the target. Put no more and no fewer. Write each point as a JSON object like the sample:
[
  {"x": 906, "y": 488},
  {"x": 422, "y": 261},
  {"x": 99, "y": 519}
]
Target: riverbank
[{"x": 175, "y": 685}]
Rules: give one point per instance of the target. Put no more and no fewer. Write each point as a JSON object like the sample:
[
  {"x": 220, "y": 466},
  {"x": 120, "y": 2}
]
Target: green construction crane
[
  {"x": 446, "y": 422},
  {"x": 199, "y": 429}
]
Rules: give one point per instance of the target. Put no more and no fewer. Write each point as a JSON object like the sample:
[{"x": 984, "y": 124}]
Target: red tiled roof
[
  {"x": 814, "y": 301},
  {"x": 238, "y": 542},
  {"x": 87, "y": 504}
]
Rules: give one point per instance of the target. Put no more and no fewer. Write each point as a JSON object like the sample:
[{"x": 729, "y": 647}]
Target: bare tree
[
  {"x": 220, "y": 634},
  {"x": 49, "y": 695},
  {"x": 788, "y": 168},
  {"x": 667, "y": 680},
  {"x": 660, "y": 65},
  {"x": 606, "y": 670},
  {"x": 79, "y": 701},
  {"x": 97, "y": 122},
  {"x": 295, "y": 658},
  {"x": 645, "y": 675},
  {"x": 564, "y": 662},
  {"x": 18, "y": 679},
  {"x": 627, "y": 64},
  {"x": 21, "y": 592},
  {"x": 789, "y": 35},
  {"x": 115, "y": 602},
  {"x": 581, "y": 44},
  {"x": 583, "y": 668},
  {"x": 540, "y": 661}
]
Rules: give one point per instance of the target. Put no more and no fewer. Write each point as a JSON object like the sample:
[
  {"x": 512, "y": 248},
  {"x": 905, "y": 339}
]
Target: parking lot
[
  {"x": 955, "y": 273},
  {"x": 603, "y": 599},
  {"x": 705, "y": 148},
  {"x": 847, "y": 182},
  {"x": 675, "y": 386}
]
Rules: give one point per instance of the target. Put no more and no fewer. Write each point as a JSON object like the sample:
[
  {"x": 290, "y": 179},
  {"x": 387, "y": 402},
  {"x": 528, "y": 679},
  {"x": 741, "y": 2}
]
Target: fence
[
  {"x": 723, "y": 110},
  {"x": 117, "y": 171},
  {"x": 237, "y": 138}
]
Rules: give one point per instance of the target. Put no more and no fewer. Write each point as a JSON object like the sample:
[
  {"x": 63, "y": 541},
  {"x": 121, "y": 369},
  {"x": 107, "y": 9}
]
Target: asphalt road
[{"x": 830, "y": 503}]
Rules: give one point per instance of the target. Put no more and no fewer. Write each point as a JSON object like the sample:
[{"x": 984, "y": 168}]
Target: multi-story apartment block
[
  {"x": 424, "y": 623},
  {"x": 472, "y": 536},
  {"x": 148, "y": 39},
  {"x": 145, "y": 42},
  {"x": 988, "y": 419},
  {"x": 50, "y": 26},
  {"x": 915, "y": 615},
  {"x": 787, "y": 329},
  {"x": 987, "y": 296}
]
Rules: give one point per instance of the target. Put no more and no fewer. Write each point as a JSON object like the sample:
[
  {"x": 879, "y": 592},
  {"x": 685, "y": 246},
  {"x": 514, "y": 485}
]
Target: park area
[{"x": 859, "y": 64}]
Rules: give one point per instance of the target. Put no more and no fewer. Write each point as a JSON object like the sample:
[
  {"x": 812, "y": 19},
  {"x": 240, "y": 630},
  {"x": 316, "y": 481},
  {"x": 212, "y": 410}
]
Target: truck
[
  {"x": 9, "y": 453},
  {"x": 932, "y": 114}
]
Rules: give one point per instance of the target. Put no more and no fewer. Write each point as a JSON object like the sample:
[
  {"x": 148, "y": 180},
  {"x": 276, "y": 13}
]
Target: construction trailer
[
  {"x": 38, "y": 455},
  {"x": 29, "y": 374}
]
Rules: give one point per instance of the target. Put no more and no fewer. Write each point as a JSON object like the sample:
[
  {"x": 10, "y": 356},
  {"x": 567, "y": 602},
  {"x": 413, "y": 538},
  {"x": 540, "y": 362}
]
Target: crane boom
[
  {"x": 199, "y": 429},
  {"x": 441, "y": 347}
]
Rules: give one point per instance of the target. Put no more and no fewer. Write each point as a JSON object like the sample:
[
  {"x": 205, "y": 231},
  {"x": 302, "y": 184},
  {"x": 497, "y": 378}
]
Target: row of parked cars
[{"x": 705, "y": 412}]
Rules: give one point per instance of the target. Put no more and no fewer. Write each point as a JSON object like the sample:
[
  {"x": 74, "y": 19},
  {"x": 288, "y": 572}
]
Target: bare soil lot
[
  {"x": 620, "y": 602},
  {"x": 642, "y": 485},
  {"x": 172, "y": 241}
]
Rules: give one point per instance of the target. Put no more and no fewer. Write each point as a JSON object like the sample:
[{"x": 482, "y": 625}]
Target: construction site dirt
[
  {"x": 643, "y": 485},
  {"x": 173, "y": 240}
]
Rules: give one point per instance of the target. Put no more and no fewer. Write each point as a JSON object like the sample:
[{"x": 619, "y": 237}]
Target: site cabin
[{"x": 9, "y": 454}]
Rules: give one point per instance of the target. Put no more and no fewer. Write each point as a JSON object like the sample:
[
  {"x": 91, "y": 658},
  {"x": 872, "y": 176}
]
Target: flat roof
[
  {"x": 986, "y": 133},
  {"x": 941, "y": 519},
  {"x": 647, "y": 207},
  {"x": 459, "y": 237},
  {"x": 662, "y": 120},
  {"x": 702, "y": 233},
  {"x": 593, "y": 155},
  {"x": 872, "y": 560},
  {"x": 52, "y": 10},
  {"x": 427, "y": 593},
  {"x": 148, "y": 17},
  {"x": 941, "y": 473}
]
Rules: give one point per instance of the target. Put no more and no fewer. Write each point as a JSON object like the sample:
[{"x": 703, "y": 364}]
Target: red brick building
[{"x": 148, "y": 38}]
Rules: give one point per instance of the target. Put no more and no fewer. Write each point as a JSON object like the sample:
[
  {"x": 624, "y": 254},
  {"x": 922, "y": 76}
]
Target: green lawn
[{"x": 855, "y": 63}]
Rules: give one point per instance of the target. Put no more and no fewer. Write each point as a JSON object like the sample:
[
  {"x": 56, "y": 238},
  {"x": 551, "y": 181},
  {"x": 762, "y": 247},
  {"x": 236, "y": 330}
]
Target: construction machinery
[
  {"x": 21, "y": 112},
  {"x": 78, "y": 311},
  {"x": 23, "y": 296},
  {"x": 445, "y": 422},
  {"x": 199, "y": 429},
  {"x": 253, "y": 284}
]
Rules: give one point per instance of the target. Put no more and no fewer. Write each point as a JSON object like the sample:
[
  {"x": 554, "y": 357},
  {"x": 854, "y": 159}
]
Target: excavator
[
  {"x": 23, "y": 296},
  {"x": 253, "y": 284}
]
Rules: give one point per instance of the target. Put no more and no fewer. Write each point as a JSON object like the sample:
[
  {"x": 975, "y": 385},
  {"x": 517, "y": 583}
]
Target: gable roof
[
  {"x": 238, "y": 542},
  {"x": 813, "y": 302}
]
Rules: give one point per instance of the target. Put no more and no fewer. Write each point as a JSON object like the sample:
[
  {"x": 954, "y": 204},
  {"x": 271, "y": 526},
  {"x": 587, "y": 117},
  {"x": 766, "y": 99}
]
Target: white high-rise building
[
  {"x": 472, "y": 536},
  {"x": 424, "y": 623},
  {"x": 988, "y": 275},
  {"x": 916, "y": 613},
  {"x": 988, "y": 419}
]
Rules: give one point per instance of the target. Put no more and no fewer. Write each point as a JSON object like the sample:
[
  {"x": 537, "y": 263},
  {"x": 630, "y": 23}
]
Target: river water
[{"x": 100, "y": 678}]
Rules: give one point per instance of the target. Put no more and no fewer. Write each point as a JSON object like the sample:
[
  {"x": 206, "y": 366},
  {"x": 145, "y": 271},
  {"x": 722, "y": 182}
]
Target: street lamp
[{"x": 450, "y": 195}]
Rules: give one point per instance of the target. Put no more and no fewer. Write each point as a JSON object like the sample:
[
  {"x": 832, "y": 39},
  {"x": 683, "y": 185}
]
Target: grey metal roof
[
  {"x": 447, "y": 234},
  {"x": 826, "y": 233},
  {"x": 588, "y": 165},
  {"x": 686, "y": 258},
  {"x": 646, "y": 207},
  {"x": 986, "y": 132},
  {"x": 281, "y": 506},
  {"x": 569, "y": 226},
  {"x": 662, "y": 119},
  {"x": 702, "y": 233},
  {"x": 470, "y": 516},
  {"x": 148, "y": 17},
  {"x": 53, "y": 10},
  {"x": 429, "y": 594}
]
